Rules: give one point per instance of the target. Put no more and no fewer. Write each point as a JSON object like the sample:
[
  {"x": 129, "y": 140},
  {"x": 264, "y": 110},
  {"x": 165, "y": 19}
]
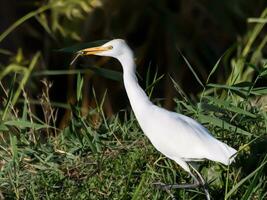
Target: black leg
[
  {"x": 198, "y": 182},
  {"x": 203, "y": 183},
  {"x": 175, "y": 186},
  {"x": 168, "y": 187}
]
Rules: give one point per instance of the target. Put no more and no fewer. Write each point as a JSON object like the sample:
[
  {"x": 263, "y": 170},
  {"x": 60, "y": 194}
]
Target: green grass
[
  {"x": 99, "y": 157},
  {"x": 112, "y": 159}
]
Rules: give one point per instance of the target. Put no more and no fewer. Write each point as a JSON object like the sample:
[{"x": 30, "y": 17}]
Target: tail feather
[
  {"x": 229, "y": 154},
  {"x": 225, "y": 154},
  {"x": 232, "y": 154}
]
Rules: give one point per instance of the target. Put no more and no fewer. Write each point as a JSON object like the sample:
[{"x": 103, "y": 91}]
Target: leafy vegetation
[{"x": 100, "y": 156}]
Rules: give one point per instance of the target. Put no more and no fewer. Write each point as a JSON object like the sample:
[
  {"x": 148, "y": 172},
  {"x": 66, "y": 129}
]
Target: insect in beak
[{"x": 90, "y": 51}]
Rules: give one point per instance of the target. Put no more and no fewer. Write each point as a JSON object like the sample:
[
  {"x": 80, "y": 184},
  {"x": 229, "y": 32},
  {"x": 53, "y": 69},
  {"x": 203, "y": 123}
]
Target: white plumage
[{"x": 177, "y": 136}]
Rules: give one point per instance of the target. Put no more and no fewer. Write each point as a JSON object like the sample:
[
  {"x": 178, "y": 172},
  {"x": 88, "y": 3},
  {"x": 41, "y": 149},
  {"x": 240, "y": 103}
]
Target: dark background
[{"x": 202, "y": 30}]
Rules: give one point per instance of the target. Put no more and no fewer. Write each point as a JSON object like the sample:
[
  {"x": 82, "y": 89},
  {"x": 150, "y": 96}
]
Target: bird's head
[{"x": 115, "y": 48}]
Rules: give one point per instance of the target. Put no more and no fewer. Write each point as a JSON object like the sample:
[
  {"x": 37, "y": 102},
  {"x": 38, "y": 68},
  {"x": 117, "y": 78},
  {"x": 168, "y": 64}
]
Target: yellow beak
[{"x": 94, "y": 50}]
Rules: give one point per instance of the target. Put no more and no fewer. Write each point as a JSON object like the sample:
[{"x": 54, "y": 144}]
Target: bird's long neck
[{"x": 138, "y": 98}]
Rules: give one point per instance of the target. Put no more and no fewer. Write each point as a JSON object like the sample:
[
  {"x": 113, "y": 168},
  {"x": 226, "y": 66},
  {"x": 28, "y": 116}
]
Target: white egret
[{"x": 177, "y": 136}]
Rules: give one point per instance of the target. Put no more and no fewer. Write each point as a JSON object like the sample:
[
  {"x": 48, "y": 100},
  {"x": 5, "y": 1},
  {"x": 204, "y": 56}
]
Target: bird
[{"x": 178, "y": 137}]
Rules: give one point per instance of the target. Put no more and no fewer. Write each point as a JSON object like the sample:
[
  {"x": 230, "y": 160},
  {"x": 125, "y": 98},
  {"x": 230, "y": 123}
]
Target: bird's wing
[
  {"x": 178, "y": 135},
  {"x": 214, "y": 149}
]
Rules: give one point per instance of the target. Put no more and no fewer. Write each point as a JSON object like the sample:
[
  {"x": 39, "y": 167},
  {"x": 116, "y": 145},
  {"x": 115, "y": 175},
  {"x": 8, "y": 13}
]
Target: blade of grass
[
  {"x": 191, "y": 69},
  {"x": 255, "y": 32},
  {"x": 9, "y": 97},
  {"x": 12, "y": 68},
  {"x": 79, "y": 88},
  {"x": 150, "y": 88},
  {"x": 25, "y": 78},
  {"x": 228, "y": 106},
  {"x": 107, "y": 73},
  {"x": 234, "y": 189},
  {"x": 53, "y": 104},
  {"x": 222, "y": 124},
  {"x": 136, "y": 194},
  {"x": 25, "y": 124},
  {"x": 23, "y": 19},
  {"x": 214, "y": 69},
  {"x": 14, "y": 148},
  {"x": 253, "y": 185},
  {"x": 180, "y": 90},
  {"x": 226, "y": 53}
]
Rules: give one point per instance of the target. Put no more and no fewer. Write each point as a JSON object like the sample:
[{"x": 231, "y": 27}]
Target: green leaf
[
  {"x": 11, "y": 69},
  {"x": 245, "y": 179},
  {"x": 9, "y": 96},
  {"x": 256, "y": 69},
  {"x": 180, "y": 90},
  {"x": 210, "y": 107},
  {"x": 78, "y": 47},
  {"x": 263, "y": 72},
  {"x": 14, "y": 148},
  {"x": 245, "y": 84},
  {"x": 253, "y": 185},
  {"x": 150, "y": 87},
  {"x": 22, "y": 20},
  {"x": 192, "y": 70},
  {"x": 25, "y": 77},
  {"x": 214, "y": 69},
  {"x": 226, "y": 53},
  {"x": 107, "y": 73},
  {"x": 222, "y": 124},
  {"x": 138, "y": 191},
  {"x": 237, "y": 90},
  {"x": 25, "y": 124},
  {"x": 228, "y": 106},
  {"x": 79, "y": 87},
  {"x": 3, "y": 127},
  {"x": 259, "y": 91}
]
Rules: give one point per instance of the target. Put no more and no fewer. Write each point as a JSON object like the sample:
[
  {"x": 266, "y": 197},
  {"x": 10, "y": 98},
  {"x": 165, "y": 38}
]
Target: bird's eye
[{"x": 110, "y": 47}]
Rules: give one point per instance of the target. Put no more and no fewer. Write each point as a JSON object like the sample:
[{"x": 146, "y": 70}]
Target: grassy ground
[
  {"x": 99, "y": 158},
  {"x": 95, "y": 157}
]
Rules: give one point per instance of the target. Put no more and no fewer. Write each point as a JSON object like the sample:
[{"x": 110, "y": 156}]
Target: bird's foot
[
  {"x": 164, "y": 186},
  {"x": 168, "y": 187},
  {"x": 160, "y": 185}
]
